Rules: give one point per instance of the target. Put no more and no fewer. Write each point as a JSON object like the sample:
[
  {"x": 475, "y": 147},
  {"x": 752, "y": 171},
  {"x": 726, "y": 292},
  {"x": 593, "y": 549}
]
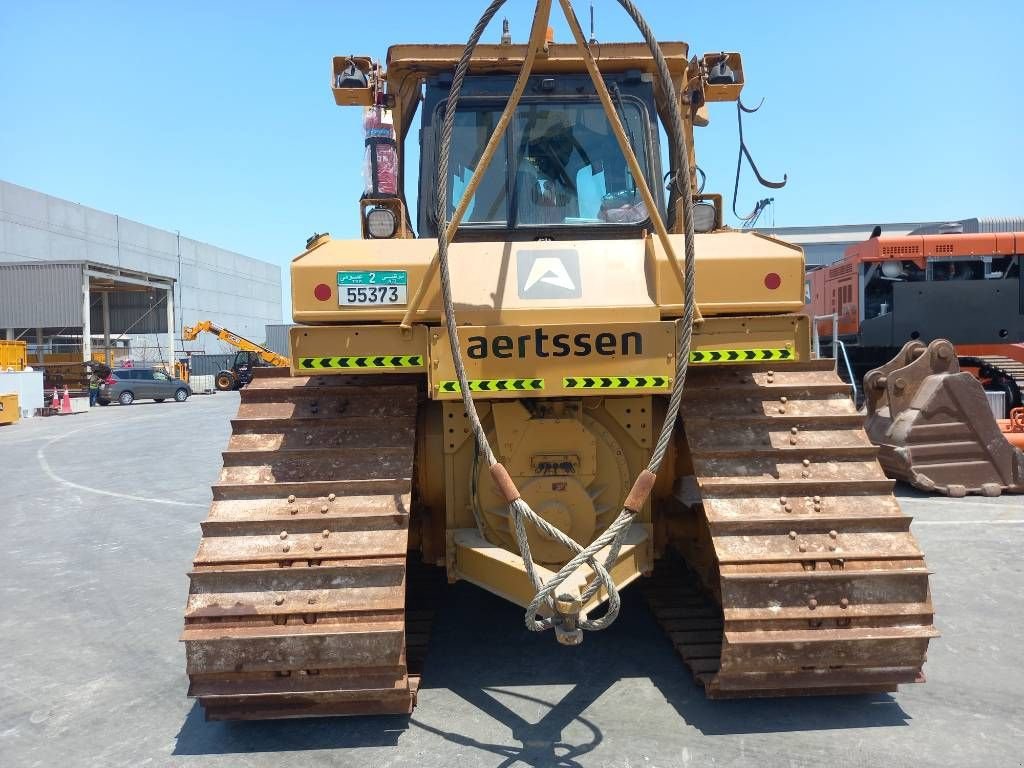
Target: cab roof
[{"x": 424, "y": 60}]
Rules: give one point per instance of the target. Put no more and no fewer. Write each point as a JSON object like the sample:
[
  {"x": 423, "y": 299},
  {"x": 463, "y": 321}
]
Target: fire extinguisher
[{"x": 380, "y": 169}]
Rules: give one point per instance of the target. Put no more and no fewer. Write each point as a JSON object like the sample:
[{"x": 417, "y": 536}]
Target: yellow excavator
[
  {"x": 249, "y": 357},
  {"x": 569, "y": 379}
]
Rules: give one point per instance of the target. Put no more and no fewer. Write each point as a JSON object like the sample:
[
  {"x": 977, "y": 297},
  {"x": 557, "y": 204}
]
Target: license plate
[{"x": 373, "y": 288}]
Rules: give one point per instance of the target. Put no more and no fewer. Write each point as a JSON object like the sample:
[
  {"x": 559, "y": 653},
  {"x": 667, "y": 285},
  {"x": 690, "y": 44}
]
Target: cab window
[{"x": 559, "y": 161}]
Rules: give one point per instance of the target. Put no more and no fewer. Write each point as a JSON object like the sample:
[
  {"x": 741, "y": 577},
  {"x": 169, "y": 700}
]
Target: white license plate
[{"x": 372, "y": 288}]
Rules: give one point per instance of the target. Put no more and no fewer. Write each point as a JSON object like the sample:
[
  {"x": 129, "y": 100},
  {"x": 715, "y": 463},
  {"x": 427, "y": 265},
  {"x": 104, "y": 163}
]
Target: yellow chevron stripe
[
  {"x": 741, "y": 355},
  {"x": 616, "y": 382},
  {"x": 360, "y": 362},
  {"x": 494, "y": 385}
]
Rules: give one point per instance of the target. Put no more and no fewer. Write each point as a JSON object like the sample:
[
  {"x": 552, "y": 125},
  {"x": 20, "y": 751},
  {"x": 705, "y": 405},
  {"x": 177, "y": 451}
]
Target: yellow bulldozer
[{"x": 569, "y": 378}]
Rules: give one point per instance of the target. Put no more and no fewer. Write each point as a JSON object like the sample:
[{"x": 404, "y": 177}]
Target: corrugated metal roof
[
  {"x": 1000, "y": 224},
  {"x": 838, "y": 233},
  {"x": 41, "y": 295},
  {"x": 982, "y": 225}
]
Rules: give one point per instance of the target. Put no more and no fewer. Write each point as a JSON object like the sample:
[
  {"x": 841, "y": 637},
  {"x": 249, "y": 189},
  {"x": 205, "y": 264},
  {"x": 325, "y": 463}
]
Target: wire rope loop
[{"x": 519, "y": 509}]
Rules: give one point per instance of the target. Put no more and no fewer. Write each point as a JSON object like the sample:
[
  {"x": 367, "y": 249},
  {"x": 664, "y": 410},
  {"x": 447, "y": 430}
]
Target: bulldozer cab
[{"x": 559, "y": 172}]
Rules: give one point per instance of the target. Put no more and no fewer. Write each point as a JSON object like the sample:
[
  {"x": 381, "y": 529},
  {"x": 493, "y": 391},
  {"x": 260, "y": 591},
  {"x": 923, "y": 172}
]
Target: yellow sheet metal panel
[
  {"x": 13, "y": 355},
  {"x": 358, "y": 349},
  {"x": 9, "y": 411},
  {"x": 553, "y": 360},
  {"x": 583, "y": 281},
  {"x": 492, "y": 283},
  {"x": 737, "y": 272},
  {"x": 752, "y": 339},
  {"x": 502, "y": 572}
]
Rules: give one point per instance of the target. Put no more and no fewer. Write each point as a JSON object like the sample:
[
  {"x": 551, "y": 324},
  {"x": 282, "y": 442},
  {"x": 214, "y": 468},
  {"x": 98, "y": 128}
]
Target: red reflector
[
  {"x": 323, "y": 292},
  {"x": 772, "y": 281}
]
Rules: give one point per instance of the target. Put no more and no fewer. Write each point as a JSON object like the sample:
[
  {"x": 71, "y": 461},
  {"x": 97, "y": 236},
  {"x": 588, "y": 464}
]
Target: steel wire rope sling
[{"x": 565, "y": 608}]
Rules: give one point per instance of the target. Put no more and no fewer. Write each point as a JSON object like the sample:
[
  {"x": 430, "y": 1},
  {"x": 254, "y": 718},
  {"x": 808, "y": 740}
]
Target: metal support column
[
  {"x": 106, "y": 327},
  {"x": 86, "y": 321},
  {"x": 170, "y": 329},
  {"x": 39, "y": 345}
]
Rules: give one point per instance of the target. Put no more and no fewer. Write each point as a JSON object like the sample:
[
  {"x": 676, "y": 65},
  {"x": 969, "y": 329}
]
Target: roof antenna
[
  {"x": 593, "y": 38},
  {"x": 506, "y": 35}
]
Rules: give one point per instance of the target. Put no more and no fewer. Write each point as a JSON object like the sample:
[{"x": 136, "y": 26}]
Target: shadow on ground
[
  {"x": 198, "y": 737},
  {"x": 481, "y": 652}
]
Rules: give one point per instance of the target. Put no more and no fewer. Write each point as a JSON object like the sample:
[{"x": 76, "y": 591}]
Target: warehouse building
[{"x": 76, "y": 282}]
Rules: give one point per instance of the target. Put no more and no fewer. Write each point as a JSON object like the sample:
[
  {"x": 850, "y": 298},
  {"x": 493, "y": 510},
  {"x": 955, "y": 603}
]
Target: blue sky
[{"x": 216, "y": 118}]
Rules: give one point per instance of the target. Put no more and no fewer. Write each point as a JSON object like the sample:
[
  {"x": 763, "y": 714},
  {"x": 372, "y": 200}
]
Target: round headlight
[
  {"x": 704, "y": 216},
  {"x": 381, "y": 223}
]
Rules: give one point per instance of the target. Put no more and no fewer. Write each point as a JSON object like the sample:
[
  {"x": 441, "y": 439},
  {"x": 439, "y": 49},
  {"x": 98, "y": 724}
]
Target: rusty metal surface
[
  {"x": 805, "y": 578},
  {"x": 297, "y": 599},
  {"x": 934, "y": 428}
]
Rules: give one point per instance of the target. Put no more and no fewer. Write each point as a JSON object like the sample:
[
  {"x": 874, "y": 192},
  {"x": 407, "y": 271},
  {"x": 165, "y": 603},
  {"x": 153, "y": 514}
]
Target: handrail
[
  {"x": 814, "y": 331},
  {"x": 849, "y": 368},
  {"x": 816, "y": 344}
]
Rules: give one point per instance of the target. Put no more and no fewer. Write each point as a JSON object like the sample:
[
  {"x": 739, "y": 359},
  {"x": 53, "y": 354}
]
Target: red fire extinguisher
[{"x": 380, "y": 169}]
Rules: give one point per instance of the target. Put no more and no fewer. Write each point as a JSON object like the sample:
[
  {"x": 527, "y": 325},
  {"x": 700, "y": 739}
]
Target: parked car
[{"x": 126, "y": 385}]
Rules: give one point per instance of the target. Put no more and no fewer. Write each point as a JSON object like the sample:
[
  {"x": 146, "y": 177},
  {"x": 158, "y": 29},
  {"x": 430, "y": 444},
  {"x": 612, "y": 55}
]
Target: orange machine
[
  {"x": 966, "y": 288},
  {"x": 1013, "y": 428}
]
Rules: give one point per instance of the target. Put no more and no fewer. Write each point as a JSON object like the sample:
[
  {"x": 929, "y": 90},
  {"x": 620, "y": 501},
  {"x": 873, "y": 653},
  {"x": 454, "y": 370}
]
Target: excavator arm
[{"x": 190, "y": 332}]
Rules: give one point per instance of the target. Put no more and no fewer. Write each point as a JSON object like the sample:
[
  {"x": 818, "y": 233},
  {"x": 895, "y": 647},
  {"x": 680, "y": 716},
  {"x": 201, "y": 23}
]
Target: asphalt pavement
[{"x": 100, "y": 521}]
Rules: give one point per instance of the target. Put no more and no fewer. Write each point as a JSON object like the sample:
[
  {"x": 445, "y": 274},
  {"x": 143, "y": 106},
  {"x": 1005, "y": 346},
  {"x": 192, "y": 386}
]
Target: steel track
[
  {"x": 810, "y": 580},
  {"x": 297, "y": 599}
]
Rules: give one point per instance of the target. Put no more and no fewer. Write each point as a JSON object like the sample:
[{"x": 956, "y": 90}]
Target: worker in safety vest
[{"x": 94, "y": 389}]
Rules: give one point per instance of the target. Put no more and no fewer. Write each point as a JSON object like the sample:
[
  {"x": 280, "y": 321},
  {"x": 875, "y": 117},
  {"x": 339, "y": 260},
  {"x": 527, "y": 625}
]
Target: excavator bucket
[{"x": 934, "y": 428}]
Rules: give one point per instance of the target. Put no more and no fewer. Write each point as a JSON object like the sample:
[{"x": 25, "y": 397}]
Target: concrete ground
[{"x": 100, "y": 521}]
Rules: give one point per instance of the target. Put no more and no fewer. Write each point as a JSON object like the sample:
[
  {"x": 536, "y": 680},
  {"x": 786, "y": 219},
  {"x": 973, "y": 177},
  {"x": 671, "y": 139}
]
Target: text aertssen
[{"x": 540, "y": 344}]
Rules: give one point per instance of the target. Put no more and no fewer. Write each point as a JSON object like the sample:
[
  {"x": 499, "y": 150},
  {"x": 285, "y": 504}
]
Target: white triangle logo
[{"x": 550, "y": 270}]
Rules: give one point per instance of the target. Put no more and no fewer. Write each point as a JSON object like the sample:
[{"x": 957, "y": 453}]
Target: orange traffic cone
[
  {"x": 55, "y": 403},
  {"x": 65, "y": 406}
]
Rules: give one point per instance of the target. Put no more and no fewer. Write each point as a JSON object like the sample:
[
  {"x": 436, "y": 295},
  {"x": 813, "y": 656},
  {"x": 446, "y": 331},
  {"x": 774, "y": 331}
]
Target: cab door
[
  {"x": 143, "y": 384},
  {"x": 162, "y": 386},
  {"x": 244, "y": 363}
]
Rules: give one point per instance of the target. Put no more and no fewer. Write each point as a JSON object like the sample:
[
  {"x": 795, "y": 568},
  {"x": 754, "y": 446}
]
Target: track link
[
  {"x": 1010, "y": 371},
  {"x": 297, "y": 603},
  {"x": 810, "y": 580}
]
